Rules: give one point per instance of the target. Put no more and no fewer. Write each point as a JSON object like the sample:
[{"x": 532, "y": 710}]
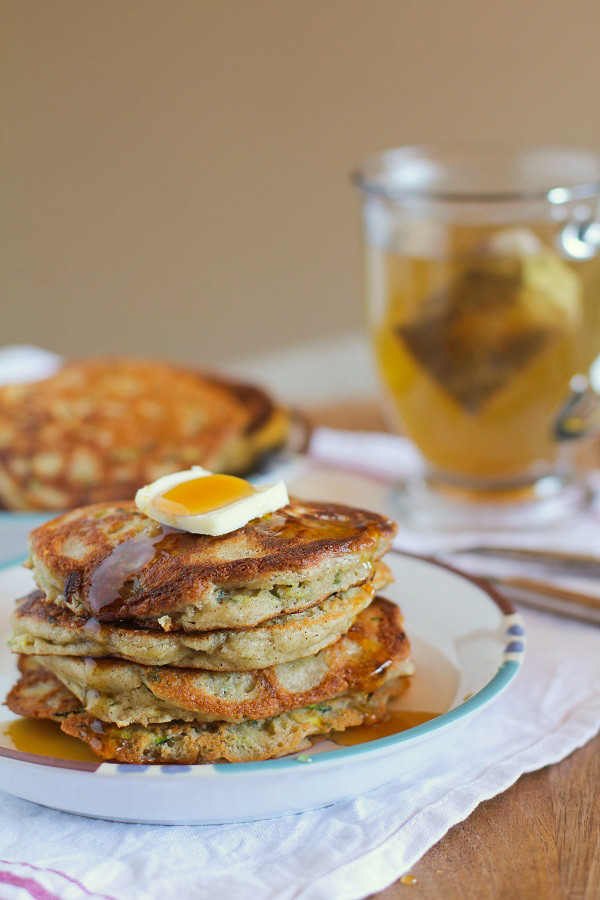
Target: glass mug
[{"x": 483, "y": 309}]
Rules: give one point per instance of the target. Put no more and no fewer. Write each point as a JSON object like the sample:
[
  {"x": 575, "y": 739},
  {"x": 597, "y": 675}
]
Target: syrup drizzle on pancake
[{"x": 116, "y": 578}]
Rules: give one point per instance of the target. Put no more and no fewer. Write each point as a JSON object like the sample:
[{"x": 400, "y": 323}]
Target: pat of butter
[{"x": 201, "y": 502}]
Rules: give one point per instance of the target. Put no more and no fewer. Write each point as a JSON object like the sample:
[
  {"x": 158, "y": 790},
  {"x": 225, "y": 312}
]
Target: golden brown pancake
[
  {"x": 113, "y": 690},
  {"x": 112, "y": 562},
  {"x": 100, "y": 429},
  {"x": 40, "y": 628},
  {"x": 40, "y": 694}
]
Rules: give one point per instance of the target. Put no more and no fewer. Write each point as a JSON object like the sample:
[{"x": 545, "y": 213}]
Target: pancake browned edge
[
  {"x": 39, "y": 694},
  {"x": 89, "y": 561},
  {"x": 100, "y": 429}
]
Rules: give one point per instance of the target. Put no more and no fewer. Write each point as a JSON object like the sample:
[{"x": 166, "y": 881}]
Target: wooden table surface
[{"x": 540, "y": 839}]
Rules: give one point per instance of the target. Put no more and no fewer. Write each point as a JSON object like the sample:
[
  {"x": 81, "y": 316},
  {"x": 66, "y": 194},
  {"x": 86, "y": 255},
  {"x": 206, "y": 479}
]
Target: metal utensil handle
[
  {"x": 558, "y": 560},
  {"x": 537, "y": 595}
]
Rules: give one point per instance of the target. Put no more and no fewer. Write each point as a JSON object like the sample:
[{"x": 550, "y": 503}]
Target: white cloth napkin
[{"x": 353, "y": 848}]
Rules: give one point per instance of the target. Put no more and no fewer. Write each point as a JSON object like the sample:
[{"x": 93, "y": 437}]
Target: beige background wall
[{"x": 176, "y": 171}]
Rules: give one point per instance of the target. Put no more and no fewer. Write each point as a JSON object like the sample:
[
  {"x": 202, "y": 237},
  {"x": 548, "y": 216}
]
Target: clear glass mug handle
[{"x": 580, "y": 415}]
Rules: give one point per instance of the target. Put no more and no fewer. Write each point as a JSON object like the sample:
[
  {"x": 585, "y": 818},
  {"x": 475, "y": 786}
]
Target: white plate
[{"x": 467, "y": 641}]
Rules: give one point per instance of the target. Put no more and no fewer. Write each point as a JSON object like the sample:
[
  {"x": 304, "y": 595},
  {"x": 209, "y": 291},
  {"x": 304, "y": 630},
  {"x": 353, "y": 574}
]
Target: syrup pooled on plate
[
  {"x": 43, "y": 737},
  {"x": 202, "y": 495},
  {"x": 397, "y": 721}
]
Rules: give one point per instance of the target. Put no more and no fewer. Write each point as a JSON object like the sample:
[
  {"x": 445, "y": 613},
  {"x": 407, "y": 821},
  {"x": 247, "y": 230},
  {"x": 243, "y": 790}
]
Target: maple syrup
[
  {"x": 394, "y": 723},
  {"x": 202, "y": 495},
  {"x": 116, "y": 578},
  {"x": 42, "y": 737},
  {"x": 307, "y": 527}
]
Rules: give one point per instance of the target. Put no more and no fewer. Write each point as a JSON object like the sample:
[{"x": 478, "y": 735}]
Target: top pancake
[
  {"x": 101, "y": 429},
  {"x": 113, "y": 562}
]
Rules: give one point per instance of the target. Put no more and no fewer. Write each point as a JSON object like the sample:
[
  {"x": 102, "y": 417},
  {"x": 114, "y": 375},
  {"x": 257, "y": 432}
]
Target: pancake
[
  {"x": 40, "y": 694},
  {"x": 374, "y": 649},
  {"x": 112, "y": 562},
  {"x": 100, "y": 429},
  {"x": 41, "y": 628}
]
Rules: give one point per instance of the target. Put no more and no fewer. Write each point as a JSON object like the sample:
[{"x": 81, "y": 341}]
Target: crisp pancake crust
[
  {"x": 41, "y": 628},
  {"x": 99, "y": 430},
  {"x": 113, "y": 562},
  {"x": 117, "y": 691},
  {"x": 40, "y": 694}
]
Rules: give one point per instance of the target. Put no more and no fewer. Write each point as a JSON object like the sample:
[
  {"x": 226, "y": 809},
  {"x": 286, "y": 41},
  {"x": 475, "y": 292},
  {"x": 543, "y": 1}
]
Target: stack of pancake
[
  {"x": 158, "y": 646},
  {"x": 100, "y": 429}
]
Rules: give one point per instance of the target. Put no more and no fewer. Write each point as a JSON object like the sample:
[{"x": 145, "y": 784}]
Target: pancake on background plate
[
  {"x": 158, "y": 645},
  {"x": 99, "y": 429}
]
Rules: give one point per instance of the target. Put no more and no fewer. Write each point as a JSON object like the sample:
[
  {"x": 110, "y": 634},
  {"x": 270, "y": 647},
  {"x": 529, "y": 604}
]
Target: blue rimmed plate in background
[
  {"x": 14, "y": 531},
  {"x": 468, "y": 644}
]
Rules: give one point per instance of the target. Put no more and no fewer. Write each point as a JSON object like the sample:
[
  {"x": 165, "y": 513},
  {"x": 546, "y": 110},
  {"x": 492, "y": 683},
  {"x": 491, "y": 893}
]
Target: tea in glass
[{"x": 483, "y": 302}]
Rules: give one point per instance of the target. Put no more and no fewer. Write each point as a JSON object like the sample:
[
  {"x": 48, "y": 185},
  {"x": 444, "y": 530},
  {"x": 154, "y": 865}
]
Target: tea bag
[{"x": 514, "y": 297}]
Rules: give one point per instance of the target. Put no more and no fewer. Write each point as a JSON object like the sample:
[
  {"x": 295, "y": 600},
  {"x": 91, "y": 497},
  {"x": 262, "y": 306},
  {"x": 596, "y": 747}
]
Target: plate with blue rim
[{"x": 467, "y": 644}]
